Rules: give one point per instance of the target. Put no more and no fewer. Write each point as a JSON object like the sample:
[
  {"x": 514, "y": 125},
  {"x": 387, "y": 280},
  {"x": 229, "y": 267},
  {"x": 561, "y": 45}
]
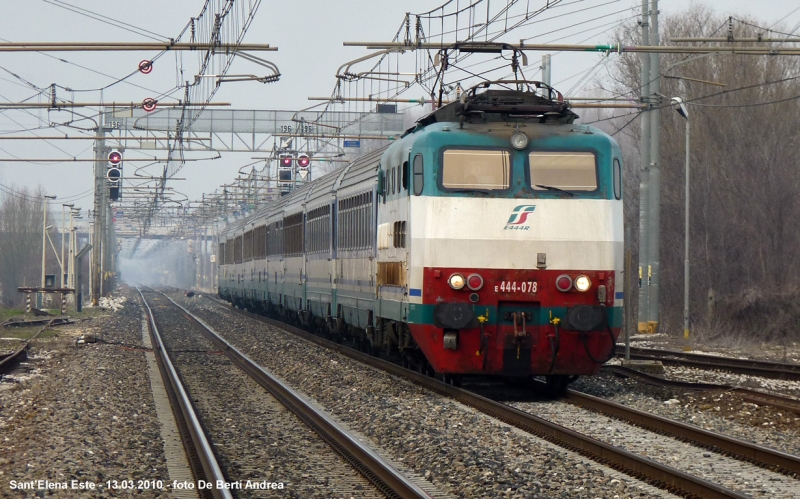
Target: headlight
[
  {"x": 519, "y": 141},
  {"x": 582, "y": 283},
  {"x": 456, "y": 281}
]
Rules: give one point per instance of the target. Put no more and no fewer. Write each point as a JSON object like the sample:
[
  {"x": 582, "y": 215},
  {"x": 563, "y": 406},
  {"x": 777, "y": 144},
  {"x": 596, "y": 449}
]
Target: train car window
[
  {"x": 237, "y": 250},
  {"x": 247, "y": 249},
  {"x": 568, "y": 171},
  {"x": 392, "y": 181},
  {"x": 370, "y": 222},
  {"x": 363, "y": 211},
  {"x": 230, "y": 245},
  {"x": 419, "y": 178},
  {"x": 472, "y": 169},
  {"x": 399, "y": 179},
  {"x": 405, "y": 175},
  {"x": 381, "y": 183},
  {"x": 294, "y": 237},
  {"x": 260, "y": 242},
  {"x": 617, "y": 179}
]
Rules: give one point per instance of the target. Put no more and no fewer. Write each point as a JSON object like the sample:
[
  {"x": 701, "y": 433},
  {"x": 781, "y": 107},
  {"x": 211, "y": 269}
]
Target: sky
[{"x": 309, "y": 35}]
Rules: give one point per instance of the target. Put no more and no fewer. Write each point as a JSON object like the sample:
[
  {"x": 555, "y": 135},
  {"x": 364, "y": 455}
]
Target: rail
[
  {"x": 785, "y": 463},
  {"x": 666, "y": 477},
  {"x": 382, "y": 474},
  {"x": 9, "y": 361},
  {"x": 755, "y": 396},
  {"x": 766, "y": 369},
  {"x": 201, "y": 446}
]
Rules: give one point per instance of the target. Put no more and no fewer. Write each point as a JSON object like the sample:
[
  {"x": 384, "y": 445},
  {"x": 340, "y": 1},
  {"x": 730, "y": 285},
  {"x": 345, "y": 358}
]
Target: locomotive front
[{"x": 516, "y": 239}]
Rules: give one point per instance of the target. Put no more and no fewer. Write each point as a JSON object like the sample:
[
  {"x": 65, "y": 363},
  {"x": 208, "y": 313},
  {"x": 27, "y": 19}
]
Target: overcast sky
[{"x": 309, "y": 34}]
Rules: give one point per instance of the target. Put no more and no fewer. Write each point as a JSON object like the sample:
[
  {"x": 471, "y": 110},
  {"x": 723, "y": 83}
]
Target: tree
[
  {"x": 20, "y": 242},
  {"x": 745, "y": 178}
]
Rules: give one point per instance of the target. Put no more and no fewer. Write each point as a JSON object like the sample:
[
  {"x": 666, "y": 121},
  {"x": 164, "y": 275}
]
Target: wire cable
[{"x": 107, "y": 20}]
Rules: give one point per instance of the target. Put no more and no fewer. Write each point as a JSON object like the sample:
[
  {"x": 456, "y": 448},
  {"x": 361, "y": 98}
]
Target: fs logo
[{"x": 519, "y": 216}]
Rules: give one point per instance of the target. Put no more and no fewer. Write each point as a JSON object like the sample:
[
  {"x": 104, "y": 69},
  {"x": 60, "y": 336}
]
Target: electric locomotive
[{"x": 487, "y": 241}]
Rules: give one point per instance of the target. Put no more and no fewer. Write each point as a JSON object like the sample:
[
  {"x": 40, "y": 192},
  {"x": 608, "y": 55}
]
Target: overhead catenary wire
[{"x": 106, "y": 20}]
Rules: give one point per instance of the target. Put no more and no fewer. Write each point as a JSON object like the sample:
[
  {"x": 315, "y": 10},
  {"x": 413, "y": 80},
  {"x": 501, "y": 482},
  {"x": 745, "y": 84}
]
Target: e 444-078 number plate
[{"x": 515, "y": 287}]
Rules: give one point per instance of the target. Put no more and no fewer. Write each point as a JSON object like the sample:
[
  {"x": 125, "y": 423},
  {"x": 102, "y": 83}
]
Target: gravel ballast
[
  {"x": 255, "y": 437},
  {"x": 453, "y": 446},
  {"x": 85, "y": 413},
  {"x": 722, "y": 412}
]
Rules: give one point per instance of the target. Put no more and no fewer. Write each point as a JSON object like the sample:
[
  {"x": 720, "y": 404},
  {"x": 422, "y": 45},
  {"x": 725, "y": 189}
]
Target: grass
[
  {"x": 7, "y": 313},
  {"x": 87, "y": 312},
  {"x": 24, "y": 333}
]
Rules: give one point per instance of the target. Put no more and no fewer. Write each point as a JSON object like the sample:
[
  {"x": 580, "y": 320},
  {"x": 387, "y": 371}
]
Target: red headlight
[
  {"x": 564, "y": 283},
  {"x": 475, "y": 282}
]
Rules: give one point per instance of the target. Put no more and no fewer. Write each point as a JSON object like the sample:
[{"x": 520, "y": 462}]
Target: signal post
[{"x": 107, "y": 187}]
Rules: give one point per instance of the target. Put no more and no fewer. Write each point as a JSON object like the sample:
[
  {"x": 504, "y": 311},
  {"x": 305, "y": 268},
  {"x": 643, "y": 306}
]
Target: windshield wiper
[{"x": 551, "y": 188}]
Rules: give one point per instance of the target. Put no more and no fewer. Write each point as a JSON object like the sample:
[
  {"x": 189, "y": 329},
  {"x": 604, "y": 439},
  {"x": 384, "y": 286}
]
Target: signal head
[
  {"x": 114, "y": 158},
  {"x": 303, "y": 161},
  {"x": 113, "y": 175},
  {"x": 286, "y": 161}
]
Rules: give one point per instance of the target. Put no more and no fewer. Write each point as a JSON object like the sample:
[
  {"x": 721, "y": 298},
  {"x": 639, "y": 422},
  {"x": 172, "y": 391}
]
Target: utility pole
[
  {"x": 654, "y": 240},
  {"x": 98, "y": 239},
  {"x": 546, "y": 69},
  {"x": 203, "y": 268},
  {"x": 644, "y": 178}
]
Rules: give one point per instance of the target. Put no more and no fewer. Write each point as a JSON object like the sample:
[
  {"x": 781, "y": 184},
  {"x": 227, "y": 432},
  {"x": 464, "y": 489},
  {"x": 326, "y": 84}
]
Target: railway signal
[
  {"x": 303, "y": 161},
  {"x": 114, "y": 158},
  {"x": 286, "y": 161},
  {"x": 114, "y": 174}
]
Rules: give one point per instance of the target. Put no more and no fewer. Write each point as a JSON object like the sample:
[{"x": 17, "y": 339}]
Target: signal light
[
  {"x": 564, "y": 283},
  {"x": 113, "y": 175},
  {"x": 303, "y": 161},
  {"x": 475, "y": 282},
  {"x": 114, "y": 158},
  {"x": 286, "y": 161}
]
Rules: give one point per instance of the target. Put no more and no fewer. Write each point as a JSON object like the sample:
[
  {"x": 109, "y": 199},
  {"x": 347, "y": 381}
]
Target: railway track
[
  {"x": 199, "y": 451},
  {"x": 770, "y": 458},
  {"x": 766, "y": 369},
  {"x": 365, "y": 463},
  {"x": 748, "y": 395},
  {"x": 9, "y": 361},
  {"x": 641, "y": 467}
]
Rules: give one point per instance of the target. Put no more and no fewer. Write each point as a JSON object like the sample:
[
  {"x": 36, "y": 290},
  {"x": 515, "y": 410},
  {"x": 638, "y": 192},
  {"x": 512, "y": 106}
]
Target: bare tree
[
  {"x": 20, "y": 242},
  {"x": 745, "y": 178}
]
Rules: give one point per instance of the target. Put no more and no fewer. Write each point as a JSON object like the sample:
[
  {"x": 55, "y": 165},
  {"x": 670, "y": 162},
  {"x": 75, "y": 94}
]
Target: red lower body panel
[
  {"x": 520, "y": 322},
  {"x": 502, "y": 353}
]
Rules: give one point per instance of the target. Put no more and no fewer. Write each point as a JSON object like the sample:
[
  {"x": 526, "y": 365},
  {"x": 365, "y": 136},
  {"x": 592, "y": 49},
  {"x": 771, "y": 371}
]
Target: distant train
[{"x": 488, "y": 240}]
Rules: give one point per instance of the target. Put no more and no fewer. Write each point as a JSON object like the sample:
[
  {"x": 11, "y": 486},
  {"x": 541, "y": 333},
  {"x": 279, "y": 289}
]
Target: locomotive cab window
[
  {"x": 566, "y": 171},
  {"x": 472, "y": 169},
  {"x": 419, "y": 178}
]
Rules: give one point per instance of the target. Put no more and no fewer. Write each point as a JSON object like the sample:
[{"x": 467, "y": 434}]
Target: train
[{"x": 487, "y": 240}]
